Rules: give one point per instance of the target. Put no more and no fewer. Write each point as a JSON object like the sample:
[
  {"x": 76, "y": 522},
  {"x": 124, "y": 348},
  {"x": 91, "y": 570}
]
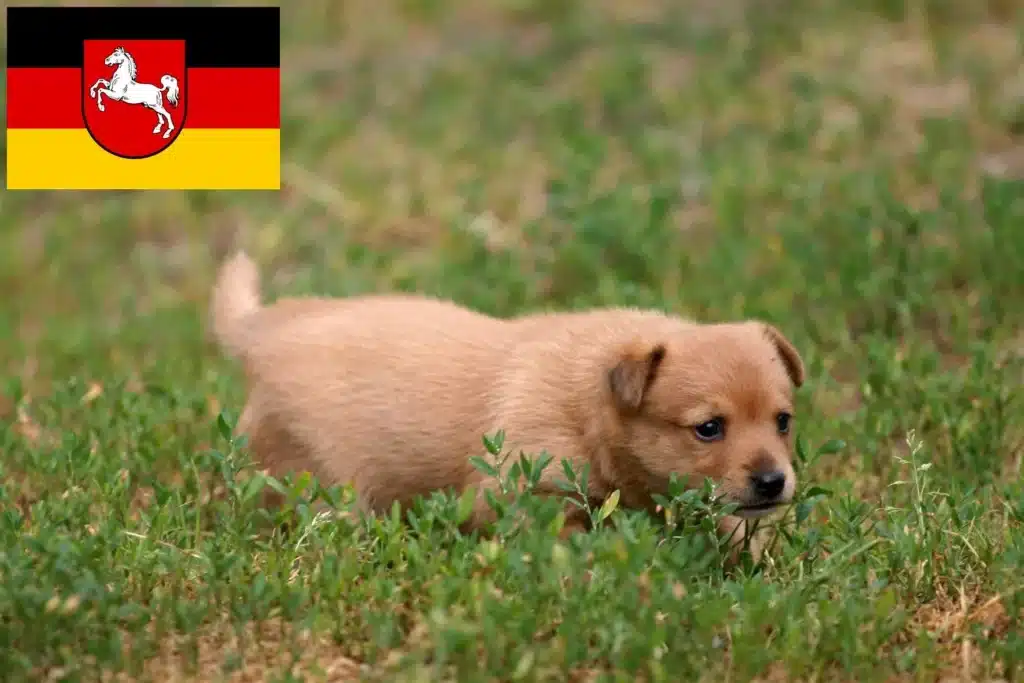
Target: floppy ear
[
  {"x": 633, "y": 373},
  {"x": 790, "y": 356}
]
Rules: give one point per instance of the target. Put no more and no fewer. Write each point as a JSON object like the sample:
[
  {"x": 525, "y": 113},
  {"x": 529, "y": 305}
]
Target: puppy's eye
[
  {"x": 712, "y": 430},
  {"x": 782, "y": 420}
]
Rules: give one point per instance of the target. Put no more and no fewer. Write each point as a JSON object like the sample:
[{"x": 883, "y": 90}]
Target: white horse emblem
[{"x": 122, "y": 88}]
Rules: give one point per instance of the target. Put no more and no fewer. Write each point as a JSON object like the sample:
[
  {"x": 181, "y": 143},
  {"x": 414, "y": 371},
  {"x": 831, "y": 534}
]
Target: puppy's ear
[
  {"x": 633, "y": 373},
  {"x": 790, "y": 356}
]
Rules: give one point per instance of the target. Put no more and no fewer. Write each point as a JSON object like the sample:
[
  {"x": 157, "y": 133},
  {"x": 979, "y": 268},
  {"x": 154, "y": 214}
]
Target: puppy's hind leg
[{"x": 273, "y": 447}]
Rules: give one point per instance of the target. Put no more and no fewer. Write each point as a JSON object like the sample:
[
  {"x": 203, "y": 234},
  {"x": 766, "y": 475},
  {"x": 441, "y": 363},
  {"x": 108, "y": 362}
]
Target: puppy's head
[{"x": 708, "y": 401}]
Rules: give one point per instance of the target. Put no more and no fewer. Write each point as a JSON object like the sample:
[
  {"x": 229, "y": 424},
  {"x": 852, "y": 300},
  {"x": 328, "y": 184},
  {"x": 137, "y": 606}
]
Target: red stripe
[
  {"x": 44, "y": 98},
  {"x": 217, "y": 98},
  {"x": 234, "y": 98}
]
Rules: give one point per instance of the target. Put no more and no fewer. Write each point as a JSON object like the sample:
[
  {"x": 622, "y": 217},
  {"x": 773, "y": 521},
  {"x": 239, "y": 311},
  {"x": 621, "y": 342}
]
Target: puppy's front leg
[
  {"x": 737, "y": 531},
  {"x": 483, "y": 514},
  {"x": 574, "y": 524}
]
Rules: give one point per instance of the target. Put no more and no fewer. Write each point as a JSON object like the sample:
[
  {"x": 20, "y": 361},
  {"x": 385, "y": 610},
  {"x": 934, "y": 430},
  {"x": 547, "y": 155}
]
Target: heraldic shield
[{"x": 134, "y": 94}]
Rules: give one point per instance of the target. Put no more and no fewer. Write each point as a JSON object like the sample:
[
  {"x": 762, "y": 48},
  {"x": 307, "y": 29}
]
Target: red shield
[{"x": 134, "y": 94}]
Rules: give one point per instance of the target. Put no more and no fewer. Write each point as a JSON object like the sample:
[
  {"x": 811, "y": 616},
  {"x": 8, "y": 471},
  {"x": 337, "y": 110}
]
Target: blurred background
[{"x": 849, "y": 171}]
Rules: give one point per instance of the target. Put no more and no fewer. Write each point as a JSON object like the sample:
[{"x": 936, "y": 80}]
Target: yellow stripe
[{"x": 206, "y": 159}]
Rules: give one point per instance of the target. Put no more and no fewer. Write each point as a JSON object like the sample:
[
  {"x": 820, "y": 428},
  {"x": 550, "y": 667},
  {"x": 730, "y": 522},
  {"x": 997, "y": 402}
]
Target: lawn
[{"x": 850, "y": 175}]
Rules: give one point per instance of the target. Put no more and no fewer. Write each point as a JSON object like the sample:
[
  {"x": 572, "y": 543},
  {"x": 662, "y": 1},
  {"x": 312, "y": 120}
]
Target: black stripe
[{"x": 215, "y": 36}]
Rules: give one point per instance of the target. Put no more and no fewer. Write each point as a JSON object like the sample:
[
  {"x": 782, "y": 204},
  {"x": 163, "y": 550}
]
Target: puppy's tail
[{"x": 236, "y": 295}]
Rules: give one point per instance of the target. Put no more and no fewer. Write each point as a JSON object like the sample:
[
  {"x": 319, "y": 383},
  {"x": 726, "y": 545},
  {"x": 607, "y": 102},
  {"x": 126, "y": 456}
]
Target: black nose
[{"x": 768, "y": 484}]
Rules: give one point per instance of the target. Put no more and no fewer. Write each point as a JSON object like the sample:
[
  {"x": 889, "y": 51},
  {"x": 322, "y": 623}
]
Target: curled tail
[
  {"x": 236, "y": 295},
  {"x": 170, "y": 84}
]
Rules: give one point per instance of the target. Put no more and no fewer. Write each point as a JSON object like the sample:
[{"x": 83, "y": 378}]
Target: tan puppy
[{"x": 393, "y": 393}]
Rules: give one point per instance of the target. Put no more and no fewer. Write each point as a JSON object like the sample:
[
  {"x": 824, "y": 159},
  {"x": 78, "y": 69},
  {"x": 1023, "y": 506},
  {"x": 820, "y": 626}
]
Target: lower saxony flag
[{"x": 138, "y": 98}]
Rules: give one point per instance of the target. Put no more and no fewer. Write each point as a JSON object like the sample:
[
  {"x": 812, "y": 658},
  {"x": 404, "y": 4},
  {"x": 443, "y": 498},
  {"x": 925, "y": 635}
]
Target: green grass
[{"x": 851, "y": 176}]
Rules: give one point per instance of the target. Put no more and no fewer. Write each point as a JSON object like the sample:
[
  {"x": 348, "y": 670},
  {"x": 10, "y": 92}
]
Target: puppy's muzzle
[{"x": 766, "y": 489}]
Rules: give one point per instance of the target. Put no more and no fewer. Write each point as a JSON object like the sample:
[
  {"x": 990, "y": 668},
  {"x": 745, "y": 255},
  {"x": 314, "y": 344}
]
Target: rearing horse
[{"x": 122, "y": 88}]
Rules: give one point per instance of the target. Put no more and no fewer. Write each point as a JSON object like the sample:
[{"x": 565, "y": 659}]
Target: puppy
[{"x": 392, "y": 394}]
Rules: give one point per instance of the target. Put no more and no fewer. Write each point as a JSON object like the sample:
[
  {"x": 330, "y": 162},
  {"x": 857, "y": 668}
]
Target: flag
[{"x": 133, "y": 98}]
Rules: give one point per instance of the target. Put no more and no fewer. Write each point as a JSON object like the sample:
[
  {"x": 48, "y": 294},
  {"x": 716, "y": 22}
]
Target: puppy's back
[{"x": 375, "y": 384}]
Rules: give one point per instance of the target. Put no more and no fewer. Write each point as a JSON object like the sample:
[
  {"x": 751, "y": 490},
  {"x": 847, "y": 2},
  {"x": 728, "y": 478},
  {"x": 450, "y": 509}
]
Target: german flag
[{"x": 133, "y": 98}]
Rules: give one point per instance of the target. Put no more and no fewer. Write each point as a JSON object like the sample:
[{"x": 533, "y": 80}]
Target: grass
[{"x": 851, "y": 175}]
